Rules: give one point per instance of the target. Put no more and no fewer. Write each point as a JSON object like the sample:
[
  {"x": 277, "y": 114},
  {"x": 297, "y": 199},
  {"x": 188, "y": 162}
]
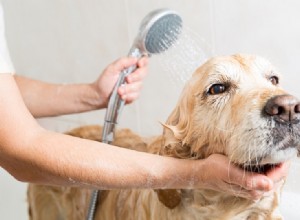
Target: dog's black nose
[{"x": 284, "y": 107}]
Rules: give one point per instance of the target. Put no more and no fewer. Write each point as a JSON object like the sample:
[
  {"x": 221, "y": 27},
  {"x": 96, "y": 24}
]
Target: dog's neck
[{"x": 201, "y": 199}]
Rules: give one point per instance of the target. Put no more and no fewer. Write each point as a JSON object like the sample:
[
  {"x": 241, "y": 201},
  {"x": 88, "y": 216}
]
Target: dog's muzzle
[{"x": 283, "y": 111}]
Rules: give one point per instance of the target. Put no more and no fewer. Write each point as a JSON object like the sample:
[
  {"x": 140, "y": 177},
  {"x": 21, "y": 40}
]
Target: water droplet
[{"x": 183, "y": 57}]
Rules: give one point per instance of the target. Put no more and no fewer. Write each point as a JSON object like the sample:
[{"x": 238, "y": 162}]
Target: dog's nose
[{"x": 284, "y": 107}]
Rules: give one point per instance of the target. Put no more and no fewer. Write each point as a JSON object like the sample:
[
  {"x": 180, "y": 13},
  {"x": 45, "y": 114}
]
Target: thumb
[{"x": 250, "y": 180}]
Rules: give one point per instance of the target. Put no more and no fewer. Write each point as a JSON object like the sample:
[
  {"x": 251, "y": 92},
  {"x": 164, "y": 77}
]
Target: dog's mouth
[{"x": 262, "y": 168}]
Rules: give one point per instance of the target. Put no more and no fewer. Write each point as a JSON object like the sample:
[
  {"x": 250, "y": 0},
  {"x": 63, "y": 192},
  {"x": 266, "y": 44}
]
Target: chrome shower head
[{"x": 158, "y": 31}]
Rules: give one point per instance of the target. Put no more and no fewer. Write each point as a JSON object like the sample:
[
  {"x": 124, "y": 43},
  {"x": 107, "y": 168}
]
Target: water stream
[{"x": 187, "y": 53}]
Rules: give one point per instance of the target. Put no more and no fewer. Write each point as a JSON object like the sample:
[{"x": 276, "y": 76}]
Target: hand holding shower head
[{"x": 158, "y": 31}]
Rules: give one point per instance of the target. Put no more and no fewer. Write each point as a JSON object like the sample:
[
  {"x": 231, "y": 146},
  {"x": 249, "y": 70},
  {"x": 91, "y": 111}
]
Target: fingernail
[
  {"x": 263, "y": 184},
  {"x": 122, "y": 89},
  {"x": 124, "y": 97},
  {"x": 253, "y": 183},
  {"x": 267, "y": 184},
  {"x": 129, "y": 79}
]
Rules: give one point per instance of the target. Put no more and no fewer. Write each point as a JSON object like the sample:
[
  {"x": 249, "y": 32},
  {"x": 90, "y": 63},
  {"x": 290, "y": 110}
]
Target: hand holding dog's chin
[
  {"x": 280, "y": 173},
  {"x": 221, "y": 175}
]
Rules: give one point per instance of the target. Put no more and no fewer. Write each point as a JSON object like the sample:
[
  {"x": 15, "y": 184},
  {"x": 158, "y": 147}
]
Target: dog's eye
[
  {"x": 274, "y": 80},
  {"x": 217, "y": 89}
]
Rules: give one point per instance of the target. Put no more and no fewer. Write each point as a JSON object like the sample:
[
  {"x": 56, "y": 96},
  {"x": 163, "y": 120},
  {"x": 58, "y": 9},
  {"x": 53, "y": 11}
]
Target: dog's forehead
[{"x": 237, "y": 66}]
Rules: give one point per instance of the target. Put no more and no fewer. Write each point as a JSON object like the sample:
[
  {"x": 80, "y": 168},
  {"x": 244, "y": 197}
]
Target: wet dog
[{"x": 233, "y": 106}]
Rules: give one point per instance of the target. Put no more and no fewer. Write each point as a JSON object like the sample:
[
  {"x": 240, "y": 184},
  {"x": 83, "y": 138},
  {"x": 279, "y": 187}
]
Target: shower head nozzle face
[
  {"x": 163, "y": 33},
  {"x": 158, "y": 31}
]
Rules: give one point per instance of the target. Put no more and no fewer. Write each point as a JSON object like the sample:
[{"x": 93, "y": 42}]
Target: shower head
[{"x": 158, "y": 31}]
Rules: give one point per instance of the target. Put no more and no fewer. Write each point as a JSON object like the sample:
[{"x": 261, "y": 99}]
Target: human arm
[
  {"x": 32, "y": 154},
  {"x": 49, "y": 99}
]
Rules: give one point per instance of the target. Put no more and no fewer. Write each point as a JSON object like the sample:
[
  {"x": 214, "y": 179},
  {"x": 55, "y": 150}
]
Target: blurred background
[{"x": 72, "y": 41}]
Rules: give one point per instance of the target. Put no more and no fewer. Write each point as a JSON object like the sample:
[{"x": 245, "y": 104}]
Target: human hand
[
  {"x": 130, "y": 91},
  {"x": 223, "y": 176},
  {"x": 279, "y": 174}
]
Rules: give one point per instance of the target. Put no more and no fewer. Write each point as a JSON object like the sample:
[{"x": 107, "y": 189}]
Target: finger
[
  {"x": 143, "y": 61},
  {"x": 137, "y": 75},
  {"x": 234, "y": 175},
  {"x": 122, "y": 63},
  {"x": 257, "y": 182},
  {"x": 238, "y": 191},
  {"x": 129, "y": 98},
  {"x": 279, "y": 172},
  {"x": 127, "y": 89},
  {"x": 249, "y": 180},
  {"x": 130, "y": 92}
]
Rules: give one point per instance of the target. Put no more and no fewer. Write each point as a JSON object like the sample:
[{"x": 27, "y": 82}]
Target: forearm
[
  {"x": 33, "y": 154},
  {"x": 71, "y": 161},
  {"x": 46, "y": 99}
]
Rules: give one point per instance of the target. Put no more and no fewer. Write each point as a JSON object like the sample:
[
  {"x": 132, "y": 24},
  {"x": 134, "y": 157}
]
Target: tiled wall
[{"x": 73, "y": 40}]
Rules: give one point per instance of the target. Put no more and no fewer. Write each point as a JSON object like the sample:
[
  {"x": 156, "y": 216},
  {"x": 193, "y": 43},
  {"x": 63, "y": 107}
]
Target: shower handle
[{"x": 116, "y": 103}]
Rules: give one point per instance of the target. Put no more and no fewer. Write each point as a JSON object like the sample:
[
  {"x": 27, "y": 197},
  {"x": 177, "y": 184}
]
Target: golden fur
[{"x": 202, "y": 123}]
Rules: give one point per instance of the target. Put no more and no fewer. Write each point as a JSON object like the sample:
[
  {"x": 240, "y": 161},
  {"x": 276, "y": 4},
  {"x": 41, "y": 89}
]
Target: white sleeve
[{"x": 6, "y": 65}]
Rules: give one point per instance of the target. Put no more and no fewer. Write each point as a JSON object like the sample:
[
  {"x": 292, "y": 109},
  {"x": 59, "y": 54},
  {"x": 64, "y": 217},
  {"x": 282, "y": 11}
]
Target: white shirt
[{"x": 6, "y": 65}]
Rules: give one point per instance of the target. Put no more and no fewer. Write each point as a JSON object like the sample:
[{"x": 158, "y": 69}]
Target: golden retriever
[{"x": 233, "y": 106}]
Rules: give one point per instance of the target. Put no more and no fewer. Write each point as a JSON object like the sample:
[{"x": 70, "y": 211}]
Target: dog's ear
[
  {"x": 177, "y": 134},
  {"x": 183, "y": 131},
  {"x": 169, "y": 197},
  {"x": 175, "y": 143}
]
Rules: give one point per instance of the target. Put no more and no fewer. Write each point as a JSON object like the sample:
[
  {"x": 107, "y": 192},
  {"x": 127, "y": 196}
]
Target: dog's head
[{"x": 235, "y": 106}]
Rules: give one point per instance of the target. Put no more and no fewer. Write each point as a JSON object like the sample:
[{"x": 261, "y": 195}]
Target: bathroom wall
[{"x": 72, "y": 41}]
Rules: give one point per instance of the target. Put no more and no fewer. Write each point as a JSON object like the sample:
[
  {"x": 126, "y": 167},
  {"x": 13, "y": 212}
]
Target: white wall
[{"x": 73, "y": 40}]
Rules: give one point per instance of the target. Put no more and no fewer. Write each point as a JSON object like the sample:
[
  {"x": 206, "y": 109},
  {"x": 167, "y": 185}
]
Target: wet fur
[{"x": 201, "y": 124}]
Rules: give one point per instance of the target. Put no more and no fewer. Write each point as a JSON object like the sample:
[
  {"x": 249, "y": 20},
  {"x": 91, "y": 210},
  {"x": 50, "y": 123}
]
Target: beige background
[{"x": 69, "y": 41}]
